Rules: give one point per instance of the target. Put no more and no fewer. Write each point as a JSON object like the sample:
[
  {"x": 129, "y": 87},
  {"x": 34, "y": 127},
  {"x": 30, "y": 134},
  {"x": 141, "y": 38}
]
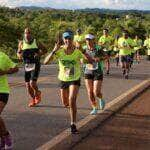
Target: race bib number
[
  {"x": 124, "y": 44},
  {"x": 93, "y": 66},
  {"x": 29, "y": 67},
  {"x": 105, "y": 50},
  {"x": 69, "y": 72}
]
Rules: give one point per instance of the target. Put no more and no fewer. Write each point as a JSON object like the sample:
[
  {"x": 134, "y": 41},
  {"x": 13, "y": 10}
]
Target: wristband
[{"x": 19, "y": 52}]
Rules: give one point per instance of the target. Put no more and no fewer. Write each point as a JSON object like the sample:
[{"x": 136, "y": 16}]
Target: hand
[
  {"x": 96, "y": 59},
  {"x": 50, "y": 56},
  {"x": 89, "y": 58},
  {"x": 57, "y": 46}
]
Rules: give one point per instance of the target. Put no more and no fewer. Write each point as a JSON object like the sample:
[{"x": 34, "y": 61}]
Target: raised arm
[
  {"x": 52, "y": 53},
  {"x": 19, "y": 51},
  {"x": 9, "y": 71}
]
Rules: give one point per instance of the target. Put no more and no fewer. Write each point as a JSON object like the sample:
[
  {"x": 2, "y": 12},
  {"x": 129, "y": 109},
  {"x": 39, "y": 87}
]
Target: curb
[{"x": 65, "y": 140}]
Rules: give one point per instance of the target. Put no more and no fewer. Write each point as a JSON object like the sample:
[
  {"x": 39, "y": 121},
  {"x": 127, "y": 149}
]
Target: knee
[
  {"x": 32, "y": 84},
  {"x": 27, "y": 85}
]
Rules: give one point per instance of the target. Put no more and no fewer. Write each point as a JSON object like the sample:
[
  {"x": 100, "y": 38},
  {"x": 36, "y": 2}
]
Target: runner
[
  {"x": 137, "y": 48},
  {"x": 147, "y": 46},
  {"x": 79, "y": 39},
  {"x": 116, "y": 50},
  {"x": 69, "y": 73},
  {"x": 132, "y": 45},
  {"x": 124, "y": 43},
  {"x": 6, "y": 67},
  {"x": 30, "y": 51},
  {"x": 106, "y": 42},
  {"x": 93, "y": 73}
]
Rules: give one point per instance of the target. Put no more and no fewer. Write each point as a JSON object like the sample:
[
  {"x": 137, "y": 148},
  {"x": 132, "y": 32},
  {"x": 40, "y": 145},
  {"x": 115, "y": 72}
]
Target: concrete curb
[{"x": 65, "y": 140}]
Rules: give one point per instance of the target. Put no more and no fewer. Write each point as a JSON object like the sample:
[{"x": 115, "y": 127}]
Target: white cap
[{"x": 89, "y": 36}]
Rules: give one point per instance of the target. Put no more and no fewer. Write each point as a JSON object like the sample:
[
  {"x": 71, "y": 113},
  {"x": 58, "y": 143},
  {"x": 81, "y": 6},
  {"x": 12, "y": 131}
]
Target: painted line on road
[{"x": 66, "y": 141}]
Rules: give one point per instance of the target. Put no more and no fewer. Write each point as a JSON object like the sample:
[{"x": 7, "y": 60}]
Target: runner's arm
[
  {"x": 9, "y": 71},
  {"x": 101, "y": 56},
  {"x": 19, "y": 51},
  {"x": 87, "y": 57},
  {"x": 50, "y": 57}
]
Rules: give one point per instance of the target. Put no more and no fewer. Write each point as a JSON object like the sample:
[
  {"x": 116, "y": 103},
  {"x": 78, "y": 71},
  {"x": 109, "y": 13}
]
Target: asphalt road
[
  {"x": 129, "y": 129},
  {"x": 32, "y": 127}
]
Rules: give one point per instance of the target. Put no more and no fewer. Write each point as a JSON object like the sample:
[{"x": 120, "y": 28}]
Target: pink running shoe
[
  {"x": 2, "y": 144},
  {"x": 8, "y": 142}
]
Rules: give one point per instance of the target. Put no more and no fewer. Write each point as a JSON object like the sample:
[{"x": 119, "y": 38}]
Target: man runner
[{"x": 31, "y": 51}]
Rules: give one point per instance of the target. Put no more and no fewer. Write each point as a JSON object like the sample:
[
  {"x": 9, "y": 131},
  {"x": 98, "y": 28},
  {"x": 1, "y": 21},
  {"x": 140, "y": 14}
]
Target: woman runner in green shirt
[
  {"x": 137, "y": 47},
  {"x": 93, "y": 73},
  {"x": 69, "y": 73}
]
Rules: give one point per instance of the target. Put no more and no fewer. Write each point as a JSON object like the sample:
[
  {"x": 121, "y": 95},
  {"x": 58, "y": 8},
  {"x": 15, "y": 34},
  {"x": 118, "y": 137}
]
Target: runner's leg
[{"x": 64, "y": 93}]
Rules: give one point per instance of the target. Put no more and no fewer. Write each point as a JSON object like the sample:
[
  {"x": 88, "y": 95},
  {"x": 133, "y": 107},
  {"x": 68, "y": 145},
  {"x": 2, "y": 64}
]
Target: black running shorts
[{"x": 4, "y": 97}]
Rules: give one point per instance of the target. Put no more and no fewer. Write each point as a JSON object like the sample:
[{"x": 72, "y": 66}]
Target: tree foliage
[{"x": 46, "y": 24}]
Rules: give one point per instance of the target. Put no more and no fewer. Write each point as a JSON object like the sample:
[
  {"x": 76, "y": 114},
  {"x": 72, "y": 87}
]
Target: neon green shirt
[
  {"x": 147, "y": 44},
  {"x": 79, "y": 40},
  {"x": 125, "y": 46},
  {"x": 106, "y": 42},
  {"x": 116, "y": 46},
  {"x": 69, "y": 65},
  {"x": 138, "y": 44},
  {"x": 5, "y": 64},
  {"x": 132, "y": 44}
]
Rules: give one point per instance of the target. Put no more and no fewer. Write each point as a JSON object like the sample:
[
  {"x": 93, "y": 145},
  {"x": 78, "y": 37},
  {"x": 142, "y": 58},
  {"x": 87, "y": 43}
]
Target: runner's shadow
[
  {"x": 48, "y": 85},
  {"x": 54, "y": 106},
  {"x": 49, "y": 106}
]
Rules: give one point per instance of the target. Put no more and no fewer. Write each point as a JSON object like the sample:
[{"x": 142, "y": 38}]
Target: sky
[{"x": 76, "y": 4}]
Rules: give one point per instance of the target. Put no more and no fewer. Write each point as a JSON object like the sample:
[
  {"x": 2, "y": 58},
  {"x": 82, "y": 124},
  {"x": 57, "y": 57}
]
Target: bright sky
[{"x": 73, "y": 4}]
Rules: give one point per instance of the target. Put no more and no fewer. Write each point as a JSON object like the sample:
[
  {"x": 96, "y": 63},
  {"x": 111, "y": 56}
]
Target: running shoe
[
  {"x": 126, "y": 76},
  {"x": 32, "y": 103},
  {"x": 73, "y": 129},
  {"x": 107, "y": 72},
  {"x": 134, "y": 62},
  {"x": 8, "y": 142},
  {"x": 101, "y": 104},
  {"x": 94, "y": 111},
  {"x": 2, "y": 144},
  {"x": 38, "y": 98}
]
